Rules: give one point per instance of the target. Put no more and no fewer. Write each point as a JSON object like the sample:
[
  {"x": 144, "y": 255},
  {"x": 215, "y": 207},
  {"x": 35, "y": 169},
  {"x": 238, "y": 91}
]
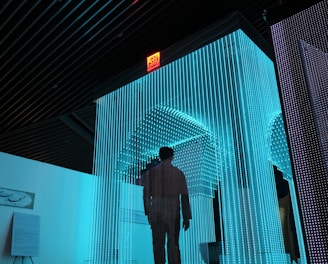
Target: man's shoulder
[
  {"x": 175, "y": 167},
  {"x": 178, "y": 170},
  {"x": 154, "y": 170}
]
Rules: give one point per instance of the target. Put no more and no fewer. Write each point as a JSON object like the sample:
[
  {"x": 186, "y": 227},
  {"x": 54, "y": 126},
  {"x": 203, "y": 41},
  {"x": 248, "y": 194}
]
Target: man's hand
[
  {"x": 186, "y": 224},
  {"x": 149, "y": 220}
]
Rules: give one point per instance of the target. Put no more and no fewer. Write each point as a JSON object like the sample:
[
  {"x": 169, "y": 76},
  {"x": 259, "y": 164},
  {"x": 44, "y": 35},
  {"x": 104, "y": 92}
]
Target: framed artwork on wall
[{"x": 15, "y": 198}]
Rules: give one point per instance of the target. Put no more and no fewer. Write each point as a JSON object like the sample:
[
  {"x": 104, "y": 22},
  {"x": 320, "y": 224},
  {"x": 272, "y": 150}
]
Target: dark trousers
[{"x": 161, "y": 228}]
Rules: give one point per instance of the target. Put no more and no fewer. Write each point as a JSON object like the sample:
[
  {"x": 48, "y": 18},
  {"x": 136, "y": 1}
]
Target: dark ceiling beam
[
  {"x": 81, "y": 121},
  {"x": 78, "y": 126}
]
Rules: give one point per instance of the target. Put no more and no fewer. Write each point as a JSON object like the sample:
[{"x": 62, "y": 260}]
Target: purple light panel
[
  {"x": 300, "y": 44},
  {"x": 315, "y": 63}
]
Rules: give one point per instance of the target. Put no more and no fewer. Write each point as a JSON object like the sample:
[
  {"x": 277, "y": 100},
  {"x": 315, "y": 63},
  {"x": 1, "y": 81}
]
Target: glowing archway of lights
[
  {"x": 161, "y": 126},
  {"x": 189, "y": 138},
  {"x": 279, "y": 156}
]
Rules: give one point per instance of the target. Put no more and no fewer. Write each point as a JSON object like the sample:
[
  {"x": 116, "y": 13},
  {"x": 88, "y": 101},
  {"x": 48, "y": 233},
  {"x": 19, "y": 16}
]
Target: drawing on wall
[{"x": 9, "y": 197}]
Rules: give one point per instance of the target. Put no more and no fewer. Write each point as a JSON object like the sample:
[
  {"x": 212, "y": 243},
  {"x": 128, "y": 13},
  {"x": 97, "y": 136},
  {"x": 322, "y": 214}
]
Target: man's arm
[
  {"x": 186, "y": 211},
  {"x": 147, "y": 194},
  {"x": 185, "y": 204}
]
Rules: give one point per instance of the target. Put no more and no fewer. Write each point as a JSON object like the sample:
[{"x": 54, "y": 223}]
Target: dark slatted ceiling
[{"x": 55, "y": 54}]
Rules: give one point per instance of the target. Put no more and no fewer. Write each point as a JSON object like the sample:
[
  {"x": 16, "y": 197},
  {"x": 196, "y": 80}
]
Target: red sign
[{"x": 153, "y": 62}]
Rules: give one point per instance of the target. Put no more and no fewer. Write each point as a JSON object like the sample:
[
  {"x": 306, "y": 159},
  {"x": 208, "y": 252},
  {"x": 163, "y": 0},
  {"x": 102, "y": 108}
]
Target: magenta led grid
[{"x": 305, "y": 121}]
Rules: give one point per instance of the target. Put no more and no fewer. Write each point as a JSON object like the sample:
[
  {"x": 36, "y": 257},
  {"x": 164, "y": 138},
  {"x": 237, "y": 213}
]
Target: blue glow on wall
[{"x": 218, "y": 107}]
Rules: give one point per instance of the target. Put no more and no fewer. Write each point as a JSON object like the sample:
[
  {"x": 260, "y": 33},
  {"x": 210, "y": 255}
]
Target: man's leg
[
  {"x": 173, "y": 241},
  {"x": 284, "y": 208},
  {"x": 158, "y": 232}
]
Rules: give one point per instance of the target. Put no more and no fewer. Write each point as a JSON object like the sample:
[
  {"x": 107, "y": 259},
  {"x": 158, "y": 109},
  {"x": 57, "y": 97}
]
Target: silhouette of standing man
[{"x": 164, "y": 188}]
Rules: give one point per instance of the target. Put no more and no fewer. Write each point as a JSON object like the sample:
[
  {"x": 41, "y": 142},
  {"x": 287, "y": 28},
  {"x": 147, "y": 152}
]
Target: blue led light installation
[{"x": 214, "y": 107}]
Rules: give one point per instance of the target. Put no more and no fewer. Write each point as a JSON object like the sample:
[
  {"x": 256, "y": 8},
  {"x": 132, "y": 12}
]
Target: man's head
[{"x": 166, "y": 153}]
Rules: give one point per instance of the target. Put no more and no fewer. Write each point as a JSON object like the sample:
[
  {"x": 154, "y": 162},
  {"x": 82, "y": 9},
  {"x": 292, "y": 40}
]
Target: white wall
[{"x": 63, "y": 200}]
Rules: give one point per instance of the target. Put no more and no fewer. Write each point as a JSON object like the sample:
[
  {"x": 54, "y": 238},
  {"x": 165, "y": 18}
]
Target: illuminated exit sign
[{"x": 153, "y": 62}]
